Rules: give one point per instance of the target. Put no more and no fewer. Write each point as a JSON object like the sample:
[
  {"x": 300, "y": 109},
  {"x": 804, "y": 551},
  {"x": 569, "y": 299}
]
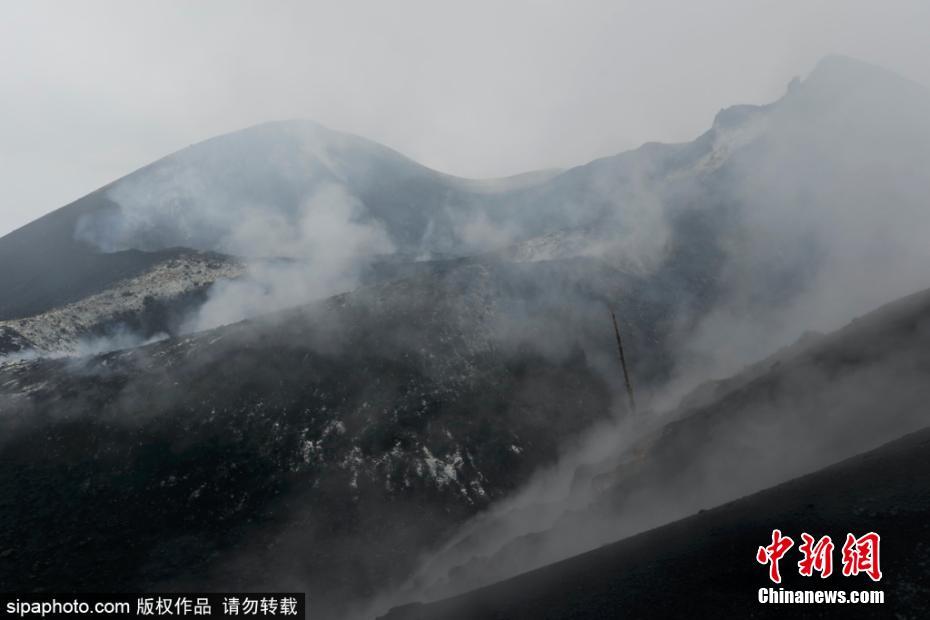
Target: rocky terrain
[
  {"x": 827, "y": 399},
  {"x": 704, "y": 565},
  {"x": 288, "y": 357},
  {"x": 145, "y": 306},
  {"x": 325, "y": 446}
]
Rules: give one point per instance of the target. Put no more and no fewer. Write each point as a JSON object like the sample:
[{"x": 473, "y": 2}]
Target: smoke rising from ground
[
  {"x": 277, "y": 198},
  {"x": 834, "y": 214},
  {"x": 317, "y": 256},
  {"x": 825, "y": 217}
]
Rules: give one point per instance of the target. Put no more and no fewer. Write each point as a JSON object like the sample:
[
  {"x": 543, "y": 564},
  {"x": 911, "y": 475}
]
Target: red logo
[
  {"x": 817, "y": 557},
  {"x": 773, "y": 553},
  {"x": 860, "y": 555}
]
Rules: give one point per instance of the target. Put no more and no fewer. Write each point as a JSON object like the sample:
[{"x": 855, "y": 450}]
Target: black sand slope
[
  {"x": 43, "y": 266},
  {"x": 704, "y": 566}
]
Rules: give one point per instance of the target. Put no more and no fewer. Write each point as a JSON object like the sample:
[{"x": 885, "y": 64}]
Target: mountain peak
[
  {"x": 841, "y": 62},
  {"x": 844, "y": 74}
]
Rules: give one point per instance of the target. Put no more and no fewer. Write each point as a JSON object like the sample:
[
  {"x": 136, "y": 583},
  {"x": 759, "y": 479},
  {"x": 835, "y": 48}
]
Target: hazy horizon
[{"x": 97, "y": 90}]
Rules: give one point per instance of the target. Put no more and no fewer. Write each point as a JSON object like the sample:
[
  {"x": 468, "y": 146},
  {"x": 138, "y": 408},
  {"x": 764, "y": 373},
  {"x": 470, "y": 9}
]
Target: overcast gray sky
[{"x": 89, "y": 91}]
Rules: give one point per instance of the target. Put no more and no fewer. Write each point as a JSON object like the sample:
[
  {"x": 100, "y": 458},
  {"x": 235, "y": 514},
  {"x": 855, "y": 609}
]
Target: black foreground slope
[
  {"x": 824, "y": 400},
  {"x": 704, "y": 566}
]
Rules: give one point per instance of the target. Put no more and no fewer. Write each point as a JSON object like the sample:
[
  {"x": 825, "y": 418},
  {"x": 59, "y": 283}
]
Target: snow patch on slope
[{"x": 69, "y": 329}]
